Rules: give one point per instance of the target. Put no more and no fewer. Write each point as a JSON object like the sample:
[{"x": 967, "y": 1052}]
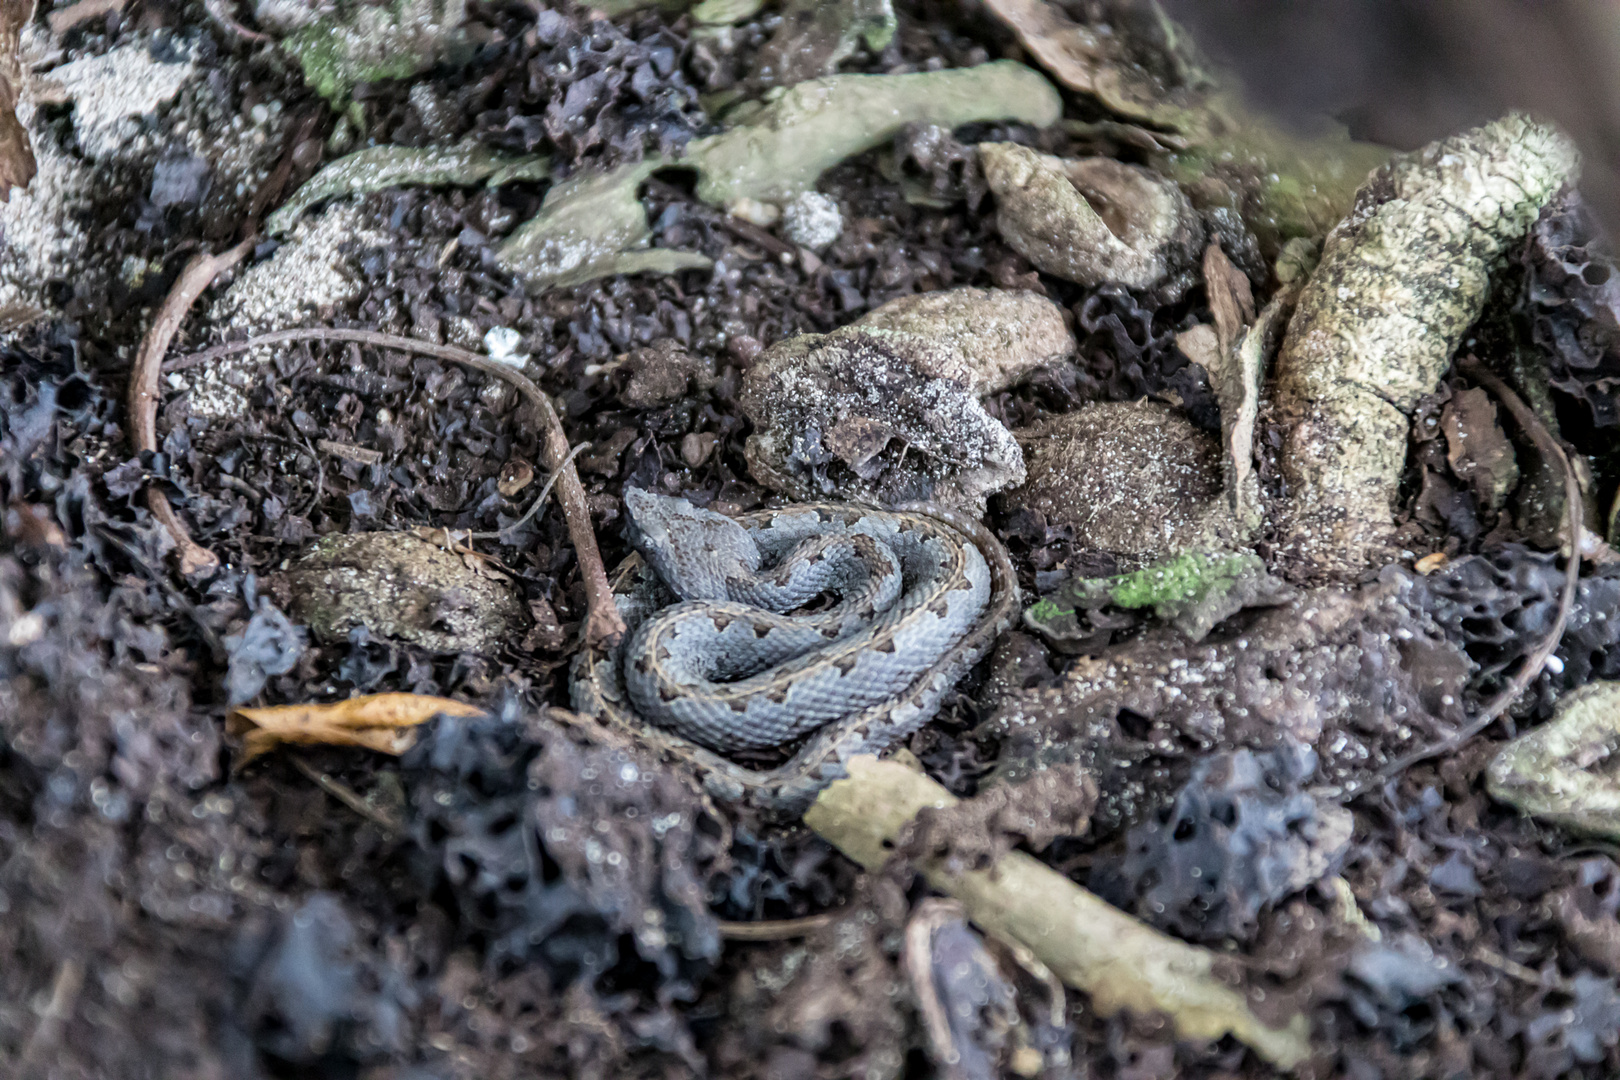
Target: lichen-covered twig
[
  {"x": 1531, "y": 667},
  {"x": 779, "y": 151},
  {"x": 1089, "y": 944},
  {"x": 602, "y": 622},
  {"x": 379, "y": 167},
  {"x": 1401, "y": 280},
  {"x": 143, "y": 389}
]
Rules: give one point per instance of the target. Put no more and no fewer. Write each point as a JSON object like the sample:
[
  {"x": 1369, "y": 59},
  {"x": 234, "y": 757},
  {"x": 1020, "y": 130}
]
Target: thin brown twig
[
  {"x": 603, "y": 626},
  {"x": 777, "y": 929},
  {"x": 199, "y": 273},
  {"x": 1532, "y": 426},
  {"x": 534, "y": 507},
  {"x": 221, "y": 14},
  {"x": 346, "y": 795}
]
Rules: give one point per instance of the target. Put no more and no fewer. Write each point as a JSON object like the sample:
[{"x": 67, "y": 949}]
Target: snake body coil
[{"x": 720, "y": 658}]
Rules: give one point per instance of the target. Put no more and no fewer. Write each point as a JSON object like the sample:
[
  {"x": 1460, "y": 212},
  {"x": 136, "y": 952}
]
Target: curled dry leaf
[
  {"x": 1094, "y": 221},
  {"x": 17, "y": 166},
  {"x": 382, "y": 722}
]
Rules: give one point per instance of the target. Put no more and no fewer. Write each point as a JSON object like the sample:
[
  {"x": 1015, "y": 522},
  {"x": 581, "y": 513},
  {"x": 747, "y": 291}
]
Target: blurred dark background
[{"x": 1404, "y": 72}]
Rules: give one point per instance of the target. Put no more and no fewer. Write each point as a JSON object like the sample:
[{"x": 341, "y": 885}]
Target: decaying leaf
[
  {"x": 1095, "y": 221},
  {"x": 779, "y": 151},
  {"x": 17, "y": 164},
  {"x": 1231, "y": 299},
  {"x": 1564, "y": 771},
  {"x": 591, "y": 226},
  {"x": 1192, "y": 592},
  {"x": 379, "y": 167},
  {"x": 1480, "y": 454},
  {"x": 725, "y": 12},
  {"x": 372, "y": 43},
  {"x": 1235, "y": 354},
  {"x": 381, "y": 722},
  {"x": 1093, "y": 60},
  {"x": 1139, "y": 64},
  {"x": 815, "y": 36}
]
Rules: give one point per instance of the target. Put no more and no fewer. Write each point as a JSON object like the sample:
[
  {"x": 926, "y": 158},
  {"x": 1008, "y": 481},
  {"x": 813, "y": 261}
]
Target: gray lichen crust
[
  {"x": 1134, "y": 479},
  {"x": 1563, "y": 772},
  {"x": 887, "y": 410},
  {"x": 1401, "y": 280},
  {"x": 398, "y": 586}
]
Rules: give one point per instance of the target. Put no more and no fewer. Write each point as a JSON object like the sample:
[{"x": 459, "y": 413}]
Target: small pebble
[
  {"x": 754, "y": 212},
  {"x": 812, "y": 220},
  {"x": 696, "y": 446},
  {"x": 501, "y": 342}
]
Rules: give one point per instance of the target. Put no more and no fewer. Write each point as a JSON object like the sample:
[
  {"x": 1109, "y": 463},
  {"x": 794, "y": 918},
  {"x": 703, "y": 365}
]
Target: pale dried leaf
[
  {"x": 1094, "y": 63},
  {"x": 1231, "y": 300},
  {"x": 381, "y": 722}
]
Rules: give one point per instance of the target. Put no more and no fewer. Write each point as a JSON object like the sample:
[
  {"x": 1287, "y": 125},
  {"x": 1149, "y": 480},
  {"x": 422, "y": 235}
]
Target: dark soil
[{"x": 521, "y": 895}]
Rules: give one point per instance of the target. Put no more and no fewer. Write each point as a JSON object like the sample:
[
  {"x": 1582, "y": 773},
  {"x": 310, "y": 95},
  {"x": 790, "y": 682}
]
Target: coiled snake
[{"x": 716, "y": 661}]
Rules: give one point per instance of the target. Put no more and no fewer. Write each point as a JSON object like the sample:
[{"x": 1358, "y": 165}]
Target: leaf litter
[{"x": 550, "y": 903}]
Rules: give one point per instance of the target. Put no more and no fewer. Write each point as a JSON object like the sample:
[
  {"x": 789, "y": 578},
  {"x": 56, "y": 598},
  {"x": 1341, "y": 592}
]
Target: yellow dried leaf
[
  {"x": 1430, "y": 563},
  {"x": 382, "y": 722}
]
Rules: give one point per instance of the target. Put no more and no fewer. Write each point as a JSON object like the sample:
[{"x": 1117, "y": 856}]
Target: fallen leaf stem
[
  {"x": 346, "y": 795},
  {"x": 776, "y": 929}
]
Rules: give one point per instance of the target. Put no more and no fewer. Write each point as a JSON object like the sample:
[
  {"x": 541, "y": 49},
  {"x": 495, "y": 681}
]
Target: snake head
[{"x": 696, "y": 552}]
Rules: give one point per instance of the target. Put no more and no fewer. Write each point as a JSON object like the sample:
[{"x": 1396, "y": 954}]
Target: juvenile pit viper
[{"x": 715, "y": 661}]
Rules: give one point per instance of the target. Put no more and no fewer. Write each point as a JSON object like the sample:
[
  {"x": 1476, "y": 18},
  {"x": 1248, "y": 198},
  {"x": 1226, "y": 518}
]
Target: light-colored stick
[{"x": 1090, "y": 944}]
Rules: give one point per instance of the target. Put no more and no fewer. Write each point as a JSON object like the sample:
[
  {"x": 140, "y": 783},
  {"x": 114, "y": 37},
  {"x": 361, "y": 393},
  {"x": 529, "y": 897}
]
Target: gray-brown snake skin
[{"x": 719, "y": 672}]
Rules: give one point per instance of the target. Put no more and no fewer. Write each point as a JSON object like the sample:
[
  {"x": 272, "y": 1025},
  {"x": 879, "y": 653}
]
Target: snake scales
[{"x": 719, "y": 658}]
